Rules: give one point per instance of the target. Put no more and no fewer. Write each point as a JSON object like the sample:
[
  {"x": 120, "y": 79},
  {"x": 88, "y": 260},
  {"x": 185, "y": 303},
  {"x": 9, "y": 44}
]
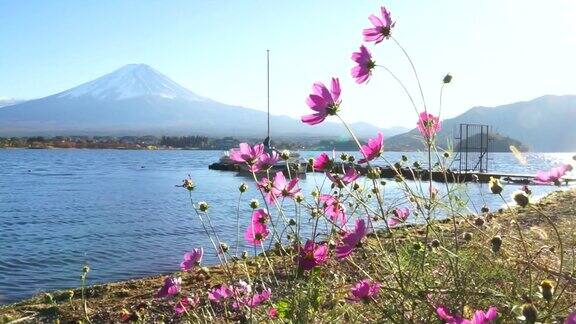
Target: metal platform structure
[{"x": 473, "y": 145}]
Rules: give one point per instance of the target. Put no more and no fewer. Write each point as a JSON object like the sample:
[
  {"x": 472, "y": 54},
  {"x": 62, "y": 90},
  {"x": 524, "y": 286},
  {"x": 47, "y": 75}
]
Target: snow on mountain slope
[
  {"x": 4, "y": 102},
  {"x": 131, "y": 81}
]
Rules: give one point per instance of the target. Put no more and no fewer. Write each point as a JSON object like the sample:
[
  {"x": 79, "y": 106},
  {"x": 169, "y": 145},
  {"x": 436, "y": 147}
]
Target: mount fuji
[{"x": 138, "y": 100}]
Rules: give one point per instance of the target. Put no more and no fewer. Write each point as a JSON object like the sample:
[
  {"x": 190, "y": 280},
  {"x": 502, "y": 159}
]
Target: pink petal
[
  {"x": 316, "y": 103},
  {"x": 376, "y": 21},
  {"x": 313, "y": 119},
  {"x": 335, "y": 89}
]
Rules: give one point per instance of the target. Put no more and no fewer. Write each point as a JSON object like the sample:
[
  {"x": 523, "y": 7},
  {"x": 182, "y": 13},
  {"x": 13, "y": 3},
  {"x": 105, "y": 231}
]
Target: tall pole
[{"x": 268, "y": 88}]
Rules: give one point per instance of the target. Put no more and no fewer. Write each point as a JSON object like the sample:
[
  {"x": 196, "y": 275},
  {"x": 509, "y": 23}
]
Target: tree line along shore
[{"x": 498, "y": 143}]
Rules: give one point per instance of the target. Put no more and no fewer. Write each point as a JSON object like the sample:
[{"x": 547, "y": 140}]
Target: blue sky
[{"x": 498, "y": 51}]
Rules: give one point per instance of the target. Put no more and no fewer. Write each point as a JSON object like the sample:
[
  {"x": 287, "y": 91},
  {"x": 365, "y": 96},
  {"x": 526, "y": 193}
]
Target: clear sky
[{"x": 499, "y": 51}]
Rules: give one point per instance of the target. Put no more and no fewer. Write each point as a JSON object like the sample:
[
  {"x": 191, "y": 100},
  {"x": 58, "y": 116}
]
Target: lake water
[{"x": 121, "y": 212}]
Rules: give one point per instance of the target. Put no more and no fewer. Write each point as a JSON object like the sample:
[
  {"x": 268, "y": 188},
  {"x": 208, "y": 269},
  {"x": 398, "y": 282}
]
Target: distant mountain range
[
  {"x": 138, "y": 100},
  {"x": 545, "y": 124}
]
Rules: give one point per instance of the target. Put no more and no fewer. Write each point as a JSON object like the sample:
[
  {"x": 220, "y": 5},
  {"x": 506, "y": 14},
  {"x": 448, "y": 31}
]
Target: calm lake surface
[{"x": 121, "y": 212}]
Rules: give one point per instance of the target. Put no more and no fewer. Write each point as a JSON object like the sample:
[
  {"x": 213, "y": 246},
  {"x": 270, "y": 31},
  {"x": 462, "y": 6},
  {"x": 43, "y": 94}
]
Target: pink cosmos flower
[
  {"x": 373, "y": 149},
  {"x": 381, "y": 29},
  {"x": 351, "y": 240},
  {"x": 348, "y": 177},
  {"x": 480, "y": 317},
  {"x": 322, "y": 163},
  {"x": 553, "y": 175},
  {"x": 363, "y": 70},
  {"x": 266, "y": 161},
  {"x": 364, "y": 291},
  {"x": 428, "y": 125},
  {"x": 171, "y": 287},
  {"x": 333, "y": 208},
  {"x": 312, "y": 255},
  {"x": 185, "y": 303},
  {"x": 220, "y": 293},
  {"x": 400, "y": 216},
  {"x": 258, "y": 298},
  {"x": 272, "y": 312},
  {"x": 444, "y": 314},
  {"x": 260, "y": 216},
  {"x": 571, "y": 319},
  {"x": 256, "y": 233},
  {"x": 192, "y": 259},
  {"x": 325, "y": 103},
  {"x": 265, "y": 186},
  {"x": 246, "y": 153},
  {"x": 283, "y": 188}
]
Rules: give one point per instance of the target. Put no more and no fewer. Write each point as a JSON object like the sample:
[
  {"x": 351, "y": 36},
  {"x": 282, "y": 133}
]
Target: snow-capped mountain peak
[{"x": 131, "y": 81}]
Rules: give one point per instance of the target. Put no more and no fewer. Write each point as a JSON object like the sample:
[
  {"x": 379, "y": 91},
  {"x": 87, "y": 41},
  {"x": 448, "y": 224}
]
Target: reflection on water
[{"x": 121, "y": 212}]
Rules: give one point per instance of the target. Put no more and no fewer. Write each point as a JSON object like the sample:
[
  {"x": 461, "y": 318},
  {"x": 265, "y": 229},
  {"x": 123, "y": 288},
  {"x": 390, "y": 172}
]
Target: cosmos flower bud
[
  {"x": 285, "y": 155},
  {"x": 70, "y": 294},
  {"x": 243, "y": 187},
  {"x": 351, "y": 159},
  {"x": 203, "y": 206},
  {"x": 416, "y": 165},
  {"x": 530, "y": 313},
  {"x": 299, "y": 198},
  {"x": 485, "y": 209},
  {"x": 315, "y": 194},
  {"x": 85, "y": 269},
  {"x": 48, "y": 298},
  {"x": 404, "y": 158},
  {"x": 292, "y": 222},
  {"x": 224, "y": 247},
  {"x": 254, "y": 204},
  {"x": 521, "y": 198},
  {"x": 467, "y": 236},
  {"x": 356, "y": 186},
  {"x": 188, "y": 184},
  {"x": 311, "y": 161},
  {"x": 495, "y": 186},
  {"x": 344, "y": 157},
  {"x": 417, "y": 246},
  {"x": 382, "y": 183},
  {"x": 496, "y": 243},
  {"x": 374, "y": 173},
  {"x": 244, "y": 255},
  {"x": 447, "y": 78},
  {"x": 435, "y": 243},
  {"x": 315, "y": 212},
  {"x": 547, "y": 289},
  {"x": 446, "y": 155}
]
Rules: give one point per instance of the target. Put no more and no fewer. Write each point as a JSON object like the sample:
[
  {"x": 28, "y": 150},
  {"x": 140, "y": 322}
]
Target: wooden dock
[{"x": 388, "y": 172}]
